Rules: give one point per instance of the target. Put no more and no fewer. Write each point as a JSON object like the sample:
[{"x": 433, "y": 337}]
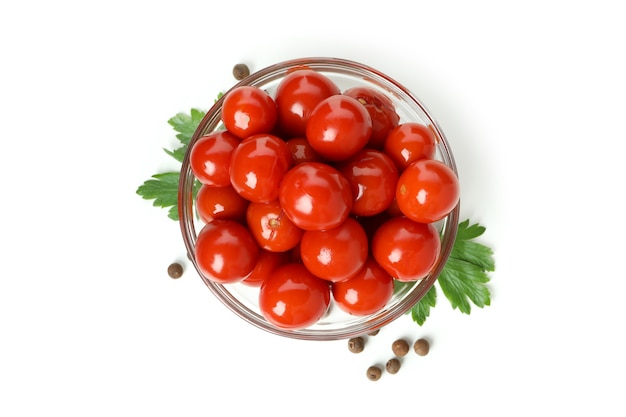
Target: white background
[{"x": 530, "y": 96}]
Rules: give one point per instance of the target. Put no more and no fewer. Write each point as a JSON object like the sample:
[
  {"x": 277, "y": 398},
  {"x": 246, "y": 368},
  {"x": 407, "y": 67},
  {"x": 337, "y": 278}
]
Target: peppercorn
[
  {"x": 356, "y": 345},
  {"x": 393, "y": 365},
  {"x": 241, "y": 71},
  {"x": 421, "y": 347},
  {"x": 175, "y": 270},
  {"x": 374, "y": 373},
  {"x": 400, "y": 347},
  {"x": 374, "y": 333}
]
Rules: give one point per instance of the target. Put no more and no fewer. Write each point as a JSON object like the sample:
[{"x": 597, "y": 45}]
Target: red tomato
[
  {"x": 265, "y": 266},
  {"x": 338, "y": 128},
  {"x": 365, "y": 293},
  {"x": 393, "y": 210},
  {"x": 407, "y": 250},
  {"x": 225, "y": 251},
  {"x": 257, "y": 166},
  {"x": 335, "y": 254},
  {"x": 210, "y": 156},
  {"x": 271, "y": 228},
  {"x": 373, "y": 178},
  {"x": 298, "y": 93},
  {"x": 410, "y": 142},
  {"x": 301, "y": 151},
  {"x": 371, "y": 223},
  {"x": 315, "y": 196},
  {"x": 427, "y": 191},
  {"x": 248, "y": 111},
  {"x": 220, "y": 203},
  {"x": 293, "y": 298},
  {"x": 381, "y": 110}
]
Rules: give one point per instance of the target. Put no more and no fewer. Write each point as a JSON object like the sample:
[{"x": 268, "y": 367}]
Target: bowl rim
[{"x": 414, "y": 291}]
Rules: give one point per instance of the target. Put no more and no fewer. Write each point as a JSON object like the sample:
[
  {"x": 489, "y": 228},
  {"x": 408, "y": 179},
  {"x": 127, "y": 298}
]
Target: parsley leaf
[
  {"x": 185, "y": 125},
  {"x": 421, "y": 310},
  {"x": 464, "y": 277},
  {"x": 163, "y": 188}
]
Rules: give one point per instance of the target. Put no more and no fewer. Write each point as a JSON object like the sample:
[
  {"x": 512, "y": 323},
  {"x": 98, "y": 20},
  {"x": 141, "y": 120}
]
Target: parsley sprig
[
  {"x": 463, "y": 279},
  {"x": 163, "y": 187}
]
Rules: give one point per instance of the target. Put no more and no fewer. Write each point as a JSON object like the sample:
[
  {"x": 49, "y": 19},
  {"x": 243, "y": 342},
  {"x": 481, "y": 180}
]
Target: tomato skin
[
  {"x": 315, "y": 196},
  {"x": 427, "y": 191},
  {"x": 336, "y": 254},
  {"x": 301, "y": 151},
  {"x": 373, "y": 177},
  {"x": 381, "y": 110},
  {"x": 410, "y": 142},
  {"x": 266, "y": 263},
  {"x": 210, "y": 157},
  {"x": 257, "y": 166},
  {"x": 407, "y": 250},
  {"x": 365, "y": 293},
  {"x": 393, "y": 210},
  {"x": 371, "y": 223},
  {"x": 248, "y": 111},
  {"x": 225, "y": 251},
  {"x": 220, "y": 203},
  {"x": 338, "y": 128},
  {"x": 271, "y": 228},
  {"x": 293, "y": 298},
  {"x": 298, "y": 93}
]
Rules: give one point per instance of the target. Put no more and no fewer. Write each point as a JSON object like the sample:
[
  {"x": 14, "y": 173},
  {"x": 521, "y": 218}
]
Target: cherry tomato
[
  {"x": 248, "y": 111},
  {"x": 257, "y": 166},
  {"x": 266, "y": 263},
  {"x": 293, "y": 298},
  {"x": 410, "y": 142},
  {"x": 373, "y": 178},
  {"x": 335, "y": 254},
  {"x": 393, "y": 209},
  {"x": 315, "y": 196},
  {"x": 301, "y": 151},
  {"x": 210, "y": 157},
  {"x": 220, "y": 203},
  {"x": 298, "y": 93},
  {"x": 407, "y": 250},
  {"x": 365, "y": 293},
  {"x": 381, "y": 110},
  {"x": 371, "y": 223},
  {"x": 271, "y": 228},
  {"x": 427, "y": 191},
  {"x": 225, "y": 251},
  {"x": 338, "y": 128}
]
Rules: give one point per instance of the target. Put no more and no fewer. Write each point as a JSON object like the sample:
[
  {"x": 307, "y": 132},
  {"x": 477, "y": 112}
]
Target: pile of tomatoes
[{"x": 318, "y": 195}]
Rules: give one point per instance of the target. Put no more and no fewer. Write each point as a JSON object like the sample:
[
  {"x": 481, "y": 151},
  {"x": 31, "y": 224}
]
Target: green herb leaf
[
  {"x": 421, "y": 310},
  {"x": 186, "y": 124},
  {"x": 464, "y": 277},
  {"x": 178, "y": 153},
  {"x": 163, "y": 189}
]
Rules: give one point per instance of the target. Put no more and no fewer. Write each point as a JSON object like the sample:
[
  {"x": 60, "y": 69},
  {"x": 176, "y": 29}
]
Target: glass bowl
[{"x": 242, "y": 299}]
